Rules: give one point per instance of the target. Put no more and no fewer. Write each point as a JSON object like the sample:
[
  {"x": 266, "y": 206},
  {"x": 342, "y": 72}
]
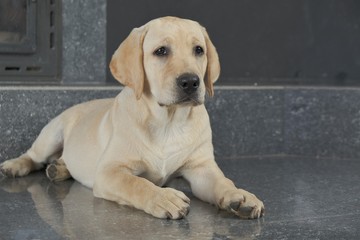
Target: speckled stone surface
[
  {"x": 84, "y": 41},
  {"x": 322, "y": 122},
  {"x": 305, "y": 198},
  {"x": 308, "y": 197},
  {"x": 247, "y": 121},
  {"x": 319, "y": 122},
  {"x": 240, "y": 119},
  {"x": 25, "y": 111}
]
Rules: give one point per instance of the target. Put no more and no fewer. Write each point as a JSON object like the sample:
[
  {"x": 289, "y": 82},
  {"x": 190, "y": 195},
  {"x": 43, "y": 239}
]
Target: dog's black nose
[{"x": 188, "y": 82}]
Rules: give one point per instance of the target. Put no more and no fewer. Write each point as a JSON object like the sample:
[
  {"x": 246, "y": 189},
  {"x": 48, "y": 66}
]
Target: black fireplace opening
[{"x": 30, "y": 41}]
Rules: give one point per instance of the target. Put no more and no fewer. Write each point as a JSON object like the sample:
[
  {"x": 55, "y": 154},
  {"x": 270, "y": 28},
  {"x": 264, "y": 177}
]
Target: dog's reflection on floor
[{"x": 72, "y": 211}]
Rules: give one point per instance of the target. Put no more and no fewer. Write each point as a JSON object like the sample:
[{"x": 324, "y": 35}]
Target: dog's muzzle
[{"x": 188, "y": 83}]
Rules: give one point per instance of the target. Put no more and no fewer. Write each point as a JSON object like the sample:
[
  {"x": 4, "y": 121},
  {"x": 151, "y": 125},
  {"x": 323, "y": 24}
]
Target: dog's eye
[
  {"x": 198, "y": 51},
  {"x": 162, "y": 51}
]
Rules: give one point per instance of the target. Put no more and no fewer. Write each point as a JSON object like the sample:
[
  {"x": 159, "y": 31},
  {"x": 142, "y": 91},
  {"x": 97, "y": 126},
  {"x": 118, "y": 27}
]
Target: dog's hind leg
[{"x": 48, "y": 144}]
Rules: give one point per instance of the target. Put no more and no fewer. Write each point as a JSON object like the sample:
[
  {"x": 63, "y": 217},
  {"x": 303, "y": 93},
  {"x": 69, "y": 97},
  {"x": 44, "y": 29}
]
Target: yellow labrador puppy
[{"x": 157, "y": 128}]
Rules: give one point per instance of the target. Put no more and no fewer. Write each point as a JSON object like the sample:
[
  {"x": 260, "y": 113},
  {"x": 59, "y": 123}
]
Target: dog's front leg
[
  {"x": 209, "y": 184},
  {"x": 118, "y": 183}
]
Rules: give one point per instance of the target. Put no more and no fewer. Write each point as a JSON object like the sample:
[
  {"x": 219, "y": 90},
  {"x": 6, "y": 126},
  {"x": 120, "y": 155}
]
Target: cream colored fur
[{"x": 128, "y": 147}]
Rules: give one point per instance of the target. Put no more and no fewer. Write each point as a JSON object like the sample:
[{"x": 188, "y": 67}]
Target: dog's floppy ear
[
  {"x": 213, "y": 65},
  {"x": 127, "y": 62}
]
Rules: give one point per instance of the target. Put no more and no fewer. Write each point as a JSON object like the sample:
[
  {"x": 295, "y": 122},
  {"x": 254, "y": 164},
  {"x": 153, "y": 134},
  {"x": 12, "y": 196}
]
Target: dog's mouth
[
  {"x": 184, "y": 101},
  {"x": 189, "y": 101}
]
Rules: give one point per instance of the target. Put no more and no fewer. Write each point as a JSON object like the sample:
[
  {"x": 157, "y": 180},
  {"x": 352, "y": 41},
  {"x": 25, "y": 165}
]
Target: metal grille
[{"x": 30, "y": 41}]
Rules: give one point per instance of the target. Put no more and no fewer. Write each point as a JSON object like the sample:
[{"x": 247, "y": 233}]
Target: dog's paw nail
[
  {"x": 235, "y": 205},
  {"x": 185, "y": 211},
  {"x": 169, "y": 215},
  {"x": 4, "y": 172}
]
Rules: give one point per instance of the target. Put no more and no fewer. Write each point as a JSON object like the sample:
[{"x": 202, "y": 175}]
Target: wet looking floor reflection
[{"x": 306, "y": 198}]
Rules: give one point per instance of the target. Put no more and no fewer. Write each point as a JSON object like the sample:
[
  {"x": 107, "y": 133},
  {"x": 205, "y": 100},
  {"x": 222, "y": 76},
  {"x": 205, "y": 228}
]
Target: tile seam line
[
  {"x": 221, "y": 87},
  {"x": 59, "y": 88}
]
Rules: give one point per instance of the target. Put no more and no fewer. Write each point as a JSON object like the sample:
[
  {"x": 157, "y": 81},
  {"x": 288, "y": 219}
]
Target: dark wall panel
[{"x": 263, "y": 42}]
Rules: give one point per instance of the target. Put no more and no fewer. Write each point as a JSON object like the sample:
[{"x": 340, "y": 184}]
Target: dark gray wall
[{"x": 262, "y": 42}]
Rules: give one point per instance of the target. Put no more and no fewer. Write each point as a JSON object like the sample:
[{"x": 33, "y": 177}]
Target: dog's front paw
[
  {"x": 169, "y": 203},
  {"x": 242, "y": 203}
]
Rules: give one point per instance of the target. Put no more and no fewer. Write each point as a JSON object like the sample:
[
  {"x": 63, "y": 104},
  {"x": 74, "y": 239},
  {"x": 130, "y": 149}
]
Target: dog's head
[{"x": 169, "y": 58}]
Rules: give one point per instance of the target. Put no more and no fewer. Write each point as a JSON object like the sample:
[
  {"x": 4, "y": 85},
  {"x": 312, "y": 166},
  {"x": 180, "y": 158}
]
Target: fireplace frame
[
  {"x": 38, "y": 57},
  {"x": 27, "y": 43}
]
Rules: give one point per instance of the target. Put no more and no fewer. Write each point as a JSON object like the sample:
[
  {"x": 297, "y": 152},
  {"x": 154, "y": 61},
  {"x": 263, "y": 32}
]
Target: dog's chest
[{"x": 170, "y": 148}]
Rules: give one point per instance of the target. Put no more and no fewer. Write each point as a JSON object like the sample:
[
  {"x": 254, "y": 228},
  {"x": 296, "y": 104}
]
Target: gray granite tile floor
[{"x": 305, "y": 198}]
